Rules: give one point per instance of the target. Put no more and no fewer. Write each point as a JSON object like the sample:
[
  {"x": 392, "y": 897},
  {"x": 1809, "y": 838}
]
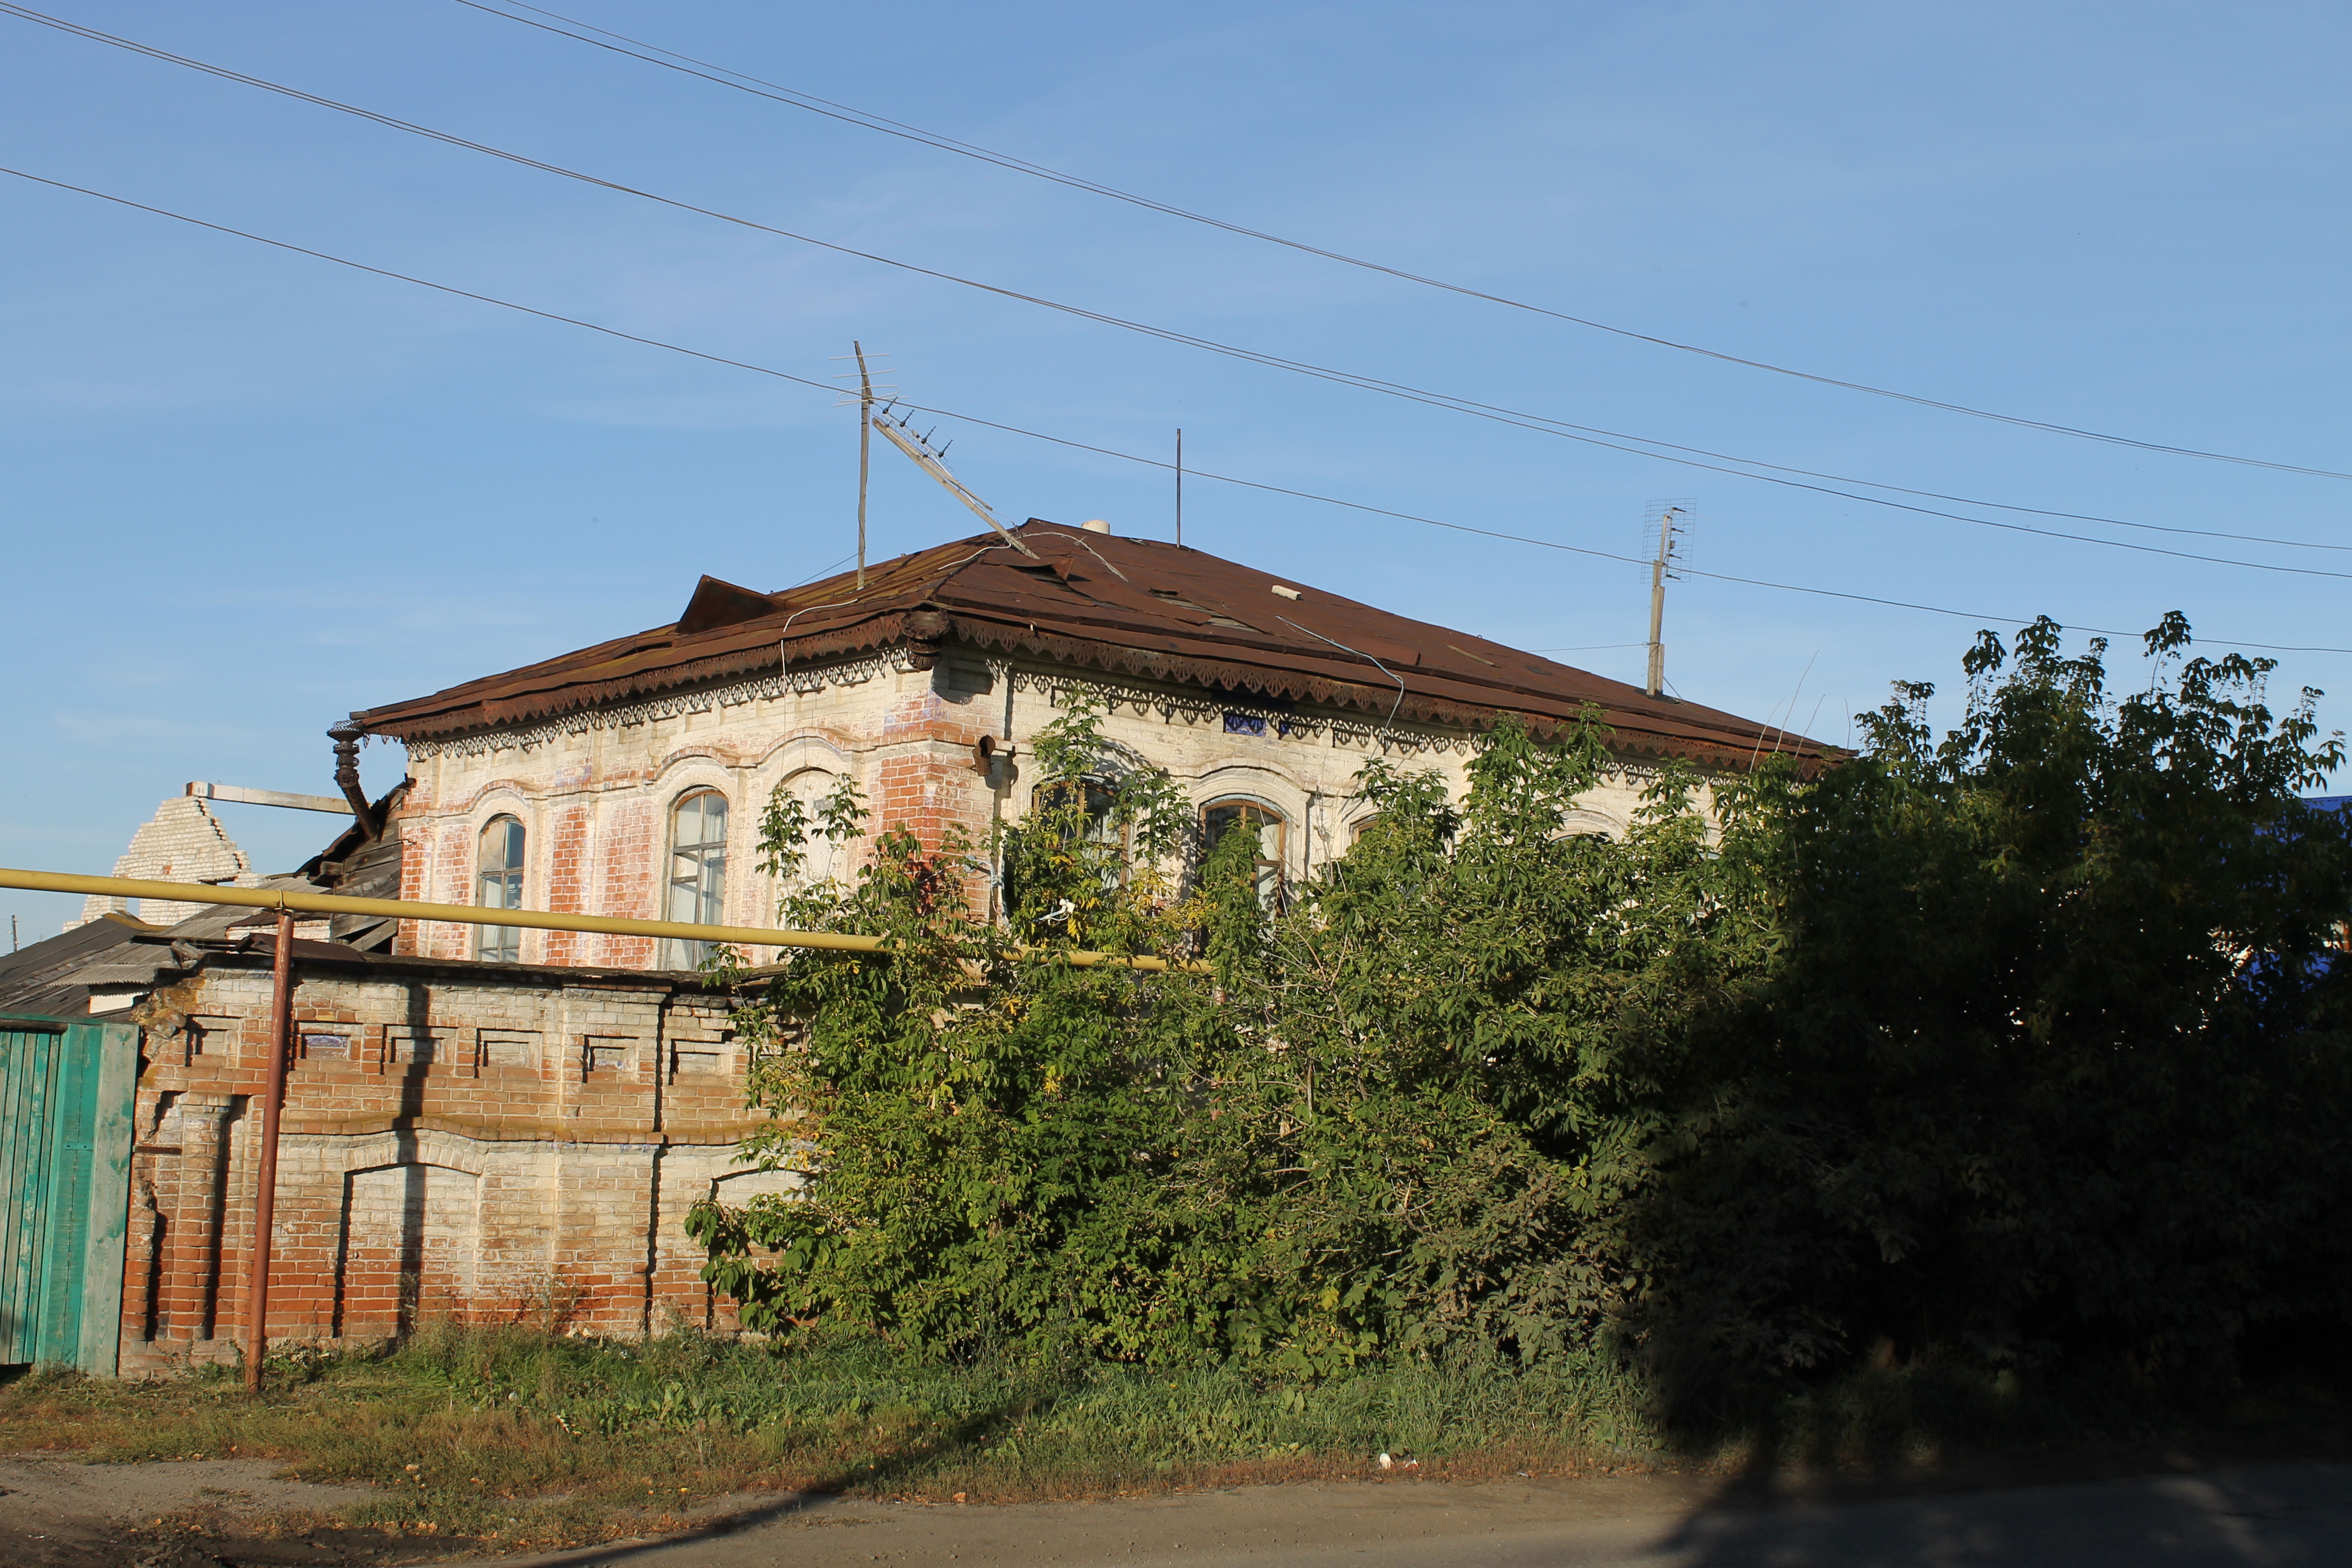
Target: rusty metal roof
[{"x": 1132, "y": 606}]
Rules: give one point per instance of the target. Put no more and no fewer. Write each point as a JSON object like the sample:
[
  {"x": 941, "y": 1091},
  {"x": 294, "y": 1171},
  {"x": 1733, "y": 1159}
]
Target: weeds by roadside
[{"x": 511, "y": 1435}]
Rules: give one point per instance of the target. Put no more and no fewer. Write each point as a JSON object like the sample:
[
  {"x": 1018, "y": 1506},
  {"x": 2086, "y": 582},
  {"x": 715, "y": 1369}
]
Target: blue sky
[{"x": 245, "y": 492}]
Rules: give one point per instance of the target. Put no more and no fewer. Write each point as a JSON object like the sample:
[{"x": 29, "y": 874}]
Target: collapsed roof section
[{"x": 1137, "y": 607}]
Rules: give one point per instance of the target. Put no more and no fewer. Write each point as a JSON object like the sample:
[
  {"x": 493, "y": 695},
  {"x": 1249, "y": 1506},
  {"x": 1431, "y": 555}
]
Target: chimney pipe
[{"x": 346, "y": 736}]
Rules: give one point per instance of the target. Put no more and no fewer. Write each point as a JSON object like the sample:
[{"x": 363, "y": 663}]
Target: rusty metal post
[{"x": 281, "y": 1030}]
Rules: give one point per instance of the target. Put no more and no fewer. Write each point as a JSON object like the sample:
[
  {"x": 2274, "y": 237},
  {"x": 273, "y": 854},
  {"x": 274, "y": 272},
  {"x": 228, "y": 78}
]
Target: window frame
[
  {"x": 1102, "y": 789},
  {"x": 678, "y": 953},
  {"x": 1274, "y": 874},
  {"x": 501, "y": 944}
]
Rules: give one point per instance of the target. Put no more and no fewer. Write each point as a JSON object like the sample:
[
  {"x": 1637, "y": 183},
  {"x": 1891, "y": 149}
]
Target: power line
[
  {"x": 1592, "y": 435},
  {"x": 830, "y": 390},
  {"x": 1586, "y": 647},
  {"x": 796, "y": 98}
]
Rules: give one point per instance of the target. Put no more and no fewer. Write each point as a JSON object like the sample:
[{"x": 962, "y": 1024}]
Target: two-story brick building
[{"x": 494, "y": 1121}]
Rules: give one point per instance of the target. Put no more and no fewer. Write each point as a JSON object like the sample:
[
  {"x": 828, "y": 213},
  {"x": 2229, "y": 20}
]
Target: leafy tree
[
  {"x": 971, "y": 1108},
  {"x": 2050, "y": 1062},
  {"x": 2022, "y": 1046}
]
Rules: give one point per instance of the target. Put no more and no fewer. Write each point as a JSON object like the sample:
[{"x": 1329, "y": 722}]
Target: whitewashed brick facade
[
  {"x": 595, "y": 793},
  {"x": 522, "y": 1140}
]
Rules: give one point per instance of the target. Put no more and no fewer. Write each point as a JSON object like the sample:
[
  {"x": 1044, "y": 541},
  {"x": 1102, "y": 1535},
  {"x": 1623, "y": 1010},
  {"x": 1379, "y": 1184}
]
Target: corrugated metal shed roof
[{"x": 1135, "y": 606}]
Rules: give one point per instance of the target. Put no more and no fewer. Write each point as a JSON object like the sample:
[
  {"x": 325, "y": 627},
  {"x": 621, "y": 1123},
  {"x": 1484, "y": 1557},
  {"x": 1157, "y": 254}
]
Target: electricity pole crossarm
[{"x": 916, "y": 447}]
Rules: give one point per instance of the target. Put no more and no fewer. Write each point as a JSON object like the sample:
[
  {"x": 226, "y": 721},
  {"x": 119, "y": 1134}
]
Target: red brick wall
[
  {"x": 635, "y": 851},
  {"x": 568, "y": 864},
  {"x": 459, "y": 1140}
]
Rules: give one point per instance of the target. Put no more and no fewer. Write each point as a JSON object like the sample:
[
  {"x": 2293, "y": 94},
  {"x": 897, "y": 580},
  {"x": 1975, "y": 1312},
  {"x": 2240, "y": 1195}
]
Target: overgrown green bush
[
  {"x": 2050, "y": 1062},
  {"x": 2003, "y": 1051}
]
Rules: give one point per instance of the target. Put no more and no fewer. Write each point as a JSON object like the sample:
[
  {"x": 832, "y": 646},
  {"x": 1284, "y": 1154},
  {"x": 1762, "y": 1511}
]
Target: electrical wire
[
  {"x": 1540, "y": 424},
  {"x": 945, "y": 412},
  {"x": 1586, "y": 647},
  {"x": 822, "y": 571},
  {"x": 796, "y": 98},
  {"x": 1398, "y": 707}
]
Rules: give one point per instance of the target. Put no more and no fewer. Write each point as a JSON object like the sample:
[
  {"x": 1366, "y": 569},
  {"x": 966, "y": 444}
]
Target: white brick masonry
[{"x": 184, "y": 842}]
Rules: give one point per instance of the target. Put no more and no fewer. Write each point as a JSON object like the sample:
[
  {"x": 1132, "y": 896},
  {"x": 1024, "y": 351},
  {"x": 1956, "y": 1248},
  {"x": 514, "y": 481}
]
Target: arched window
[
  {"x": 1101, "y": 827},
  {"x": 821, "y": 856},
  {"x": 498, "y": 885},
  {"x": 697, "y": 873},
  {"x": 1262, "y": 822}
]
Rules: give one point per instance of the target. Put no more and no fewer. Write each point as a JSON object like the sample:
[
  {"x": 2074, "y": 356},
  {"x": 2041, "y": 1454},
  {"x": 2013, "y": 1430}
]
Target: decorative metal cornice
[
  {"x": 1171, "y": 705},
  {"x": 1284, "y": 721},
  {"x": 803, "y": 680}
]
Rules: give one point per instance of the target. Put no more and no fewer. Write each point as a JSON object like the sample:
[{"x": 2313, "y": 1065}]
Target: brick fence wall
[{"x": 482, "y": 1142}]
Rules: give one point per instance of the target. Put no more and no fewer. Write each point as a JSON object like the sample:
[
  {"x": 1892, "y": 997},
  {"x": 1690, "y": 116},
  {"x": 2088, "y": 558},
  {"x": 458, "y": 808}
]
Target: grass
[{"x": 512, "y": 1437}]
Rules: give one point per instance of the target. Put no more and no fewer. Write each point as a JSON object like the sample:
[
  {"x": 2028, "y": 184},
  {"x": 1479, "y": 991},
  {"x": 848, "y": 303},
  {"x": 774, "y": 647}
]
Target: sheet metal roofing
[{"x": 1138, "y": 607}]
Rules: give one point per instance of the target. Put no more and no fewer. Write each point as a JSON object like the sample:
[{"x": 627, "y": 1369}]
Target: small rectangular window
[
  {"x": 334, "y": 1048},
  {"x": 694, "y": 1059},
  {"x": 1244, "y": 724}
]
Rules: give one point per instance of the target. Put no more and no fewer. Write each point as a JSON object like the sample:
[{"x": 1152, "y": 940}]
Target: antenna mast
[
  {"x": 865, "y": 449},
  {"x": 863, "y": 395},
  {"x": 1180, "y": 487},
  {"x": 1656, "y": 685}
]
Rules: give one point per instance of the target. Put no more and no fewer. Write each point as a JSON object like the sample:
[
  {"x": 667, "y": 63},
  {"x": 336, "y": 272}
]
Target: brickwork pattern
[
  {"x": 475, "y": 1141},
  {"x": 457, "y": 1141},
  {"x": 183, "y": 842}
]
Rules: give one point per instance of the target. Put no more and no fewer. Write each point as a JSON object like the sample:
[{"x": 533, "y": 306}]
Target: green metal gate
[{"x": 66, "y": 1090}]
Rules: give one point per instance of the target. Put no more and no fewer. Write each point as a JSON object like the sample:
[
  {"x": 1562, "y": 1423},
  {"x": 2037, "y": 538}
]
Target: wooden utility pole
[
  {"x": 865, "y": 450},
  {"x": 1656, "y": 686}
]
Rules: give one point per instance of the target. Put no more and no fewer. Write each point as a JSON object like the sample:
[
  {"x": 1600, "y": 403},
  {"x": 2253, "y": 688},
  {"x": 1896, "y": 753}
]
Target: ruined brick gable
[{"x": 183, "y": 842}]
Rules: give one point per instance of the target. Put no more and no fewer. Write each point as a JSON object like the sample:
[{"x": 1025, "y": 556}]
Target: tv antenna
[
  {"x": 932, "y": 460},
  {"x": 874, "y": 404},
  {"x": 1666, "y": 520}
]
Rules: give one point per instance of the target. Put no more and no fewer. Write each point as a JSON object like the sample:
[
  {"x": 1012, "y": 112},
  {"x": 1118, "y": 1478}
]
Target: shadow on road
[
  {"x": 974, "y": 1430},
  {"x": 2274, "y": 1515}
]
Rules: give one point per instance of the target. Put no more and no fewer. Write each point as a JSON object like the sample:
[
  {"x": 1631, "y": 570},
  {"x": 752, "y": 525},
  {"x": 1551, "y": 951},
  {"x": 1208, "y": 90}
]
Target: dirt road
[
  {"x": 2275, "y": 1517},
  {"x": 54, "y": 1513}
]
